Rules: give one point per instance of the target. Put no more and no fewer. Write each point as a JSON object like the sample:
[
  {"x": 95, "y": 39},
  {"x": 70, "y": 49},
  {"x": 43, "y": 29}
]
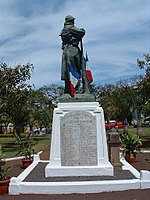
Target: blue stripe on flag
[{"x": 74, "y": 72}]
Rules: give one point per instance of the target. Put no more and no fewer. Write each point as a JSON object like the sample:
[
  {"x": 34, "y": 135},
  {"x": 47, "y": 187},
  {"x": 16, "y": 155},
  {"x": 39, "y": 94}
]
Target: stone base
[
  {"x": 83, "y": 152},
  {"x": 77, "y": 98},
  {"x": 117, "y": 165},
  {"x": 29, "y": 183},
  {"x": 105, "y": 170}
]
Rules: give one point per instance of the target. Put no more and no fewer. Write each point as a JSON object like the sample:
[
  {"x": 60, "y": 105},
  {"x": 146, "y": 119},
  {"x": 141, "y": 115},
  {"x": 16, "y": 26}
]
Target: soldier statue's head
[{"x": 69, "y": 18}]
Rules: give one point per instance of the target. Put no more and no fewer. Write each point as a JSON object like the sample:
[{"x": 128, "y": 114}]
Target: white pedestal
[{"x": 100, "y": 167}]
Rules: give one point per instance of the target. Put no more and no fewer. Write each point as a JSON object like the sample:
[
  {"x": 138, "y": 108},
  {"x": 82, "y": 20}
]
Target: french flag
[
  {"x": 74, "y": 77},
  {"x": 88, "y": 70}
]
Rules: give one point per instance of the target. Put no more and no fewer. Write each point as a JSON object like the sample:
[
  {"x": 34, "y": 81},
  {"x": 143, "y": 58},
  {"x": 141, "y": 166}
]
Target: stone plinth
[
  {"x": 114, "y": 151},
  {"x": 78, "y": 145}
]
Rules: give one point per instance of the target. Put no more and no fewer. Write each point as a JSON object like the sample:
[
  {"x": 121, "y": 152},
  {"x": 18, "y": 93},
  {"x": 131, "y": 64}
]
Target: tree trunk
[
  {"x": 139, "y": 128},
  {"x": 125, "y": 130},
  {"x": 125, "y": 127},
  {"x": 1, "y": 129},
  {"x": 19, "y": 130}
]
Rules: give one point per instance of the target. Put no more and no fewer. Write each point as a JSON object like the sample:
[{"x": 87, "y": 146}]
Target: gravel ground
[{"x": 37, "y": 175}]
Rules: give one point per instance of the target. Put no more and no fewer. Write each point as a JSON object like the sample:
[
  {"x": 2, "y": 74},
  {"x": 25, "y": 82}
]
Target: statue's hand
[{"x": 82, "y": 29}]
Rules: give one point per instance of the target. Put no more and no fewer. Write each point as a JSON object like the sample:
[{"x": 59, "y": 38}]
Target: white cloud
[{"x": 117, "y": 33}]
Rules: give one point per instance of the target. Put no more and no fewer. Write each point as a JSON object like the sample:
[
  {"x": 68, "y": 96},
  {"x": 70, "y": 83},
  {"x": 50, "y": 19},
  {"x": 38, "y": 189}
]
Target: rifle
[{"x": 84, "y": 78}]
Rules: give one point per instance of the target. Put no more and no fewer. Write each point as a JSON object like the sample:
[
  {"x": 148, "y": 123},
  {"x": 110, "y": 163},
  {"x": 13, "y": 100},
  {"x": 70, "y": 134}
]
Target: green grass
[
  {"x": 11, "y": 152},
  {"x": 45, "y": 141},
  {"x": 145, "y": 131},
  {"x": 4, "y": 140}
]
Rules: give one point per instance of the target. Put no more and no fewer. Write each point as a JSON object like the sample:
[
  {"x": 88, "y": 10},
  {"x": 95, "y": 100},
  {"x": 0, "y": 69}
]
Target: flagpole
[{"x": 84, "y": 79}]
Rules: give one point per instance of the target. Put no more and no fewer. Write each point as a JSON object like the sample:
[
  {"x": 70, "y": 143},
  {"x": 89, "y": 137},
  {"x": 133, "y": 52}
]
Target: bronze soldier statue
[{"x": 72, "y": 55}]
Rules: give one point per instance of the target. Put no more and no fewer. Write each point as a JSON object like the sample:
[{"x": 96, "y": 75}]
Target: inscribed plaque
[{"x": 78, "y": 136}]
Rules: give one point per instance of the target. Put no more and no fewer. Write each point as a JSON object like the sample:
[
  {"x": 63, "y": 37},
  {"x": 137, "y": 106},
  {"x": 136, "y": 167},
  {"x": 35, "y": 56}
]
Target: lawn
[
  {"x": 10, "y": 150},
  {"x": 43, "y": 141},
  {"x": 145, "y": 131}
]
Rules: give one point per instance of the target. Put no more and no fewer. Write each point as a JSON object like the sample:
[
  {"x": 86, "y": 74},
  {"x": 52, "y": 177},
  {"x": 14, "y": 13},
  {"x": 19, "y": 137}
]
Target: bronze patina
[{"x": 72, "y": 54}]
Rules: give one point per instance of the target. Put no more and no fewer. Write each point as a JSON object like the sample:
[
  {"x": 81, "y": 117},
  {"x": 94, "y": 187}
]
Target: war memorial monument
[
  {"x": 79, "y": 160},
  {"x": 78, "y": 146}
]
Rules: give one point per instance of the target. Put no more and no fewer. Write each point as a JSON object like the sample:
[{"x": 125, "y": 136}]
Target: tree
[
  {"x": 53, "y": 92},
  {"x": 142, "y": 89},
  {"x": 15, "y": 92},
  {"x": 122, "y": 99},
  {"x": 145, "y": 63},
  {"x": 103, "y": 95},
  {"x": 41, "y": 109},
  {"x": 145, "y": 83},
  {"x": 119, "y": 99}
]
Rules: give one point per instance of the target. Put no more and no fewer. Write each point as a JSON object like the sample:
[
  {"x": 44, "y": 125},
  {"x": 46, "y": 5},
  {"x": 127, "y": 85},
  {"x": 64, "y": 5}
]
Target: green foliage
[
  {"x": 8, "y": 135},
  {"x": 120, "y": 99},
  {"x": 103, "y": 95},
  {"x": 12, "y": 150},
  {"x": 3, "y": 171},
  {"x": 115, "y": 99},
  {"x": 53, "y": 91},
  {"x": 21, "y": 105},
  {"x": 146, "y": 109},
  {"x": 144, "y": 85},
  {"x": 130, "y": 142},
  {"x": 25, "y": 145},
  {"x": 42, "y": 103},
  {"x": 14, "y": 93},
  {"x": 145, "y": 62}
]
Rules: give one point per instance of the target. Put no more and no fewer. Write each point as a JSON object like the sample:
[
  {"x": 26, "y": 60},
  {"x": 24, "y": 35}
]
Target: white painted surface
[
  {"x": 145, "y": 179},
  {"x": 80, "y": 171},
  {"x": 127, "y": 166},
  {"x": 77, "y": 187},
  {"x": 20, "y": 157},
  {"x": 105, "y": 168},
  {"x": 17, "y": 186},
  {"x": 145, "y": 175},
  {"x": 14, "y": 185}
]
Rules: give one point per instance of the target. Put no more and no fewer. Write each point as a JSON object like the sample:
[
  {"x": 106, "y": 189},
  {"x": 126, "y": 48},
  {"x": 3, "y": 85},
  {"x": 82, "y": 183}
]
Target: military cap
[{"x": 69, "y": 18}]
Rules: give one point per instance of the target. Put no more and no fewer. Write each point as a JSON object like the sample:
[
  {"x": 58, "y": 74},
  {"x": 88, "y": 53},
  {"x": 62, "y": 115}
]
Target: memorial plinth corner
[{"x": 78, "y": 143}]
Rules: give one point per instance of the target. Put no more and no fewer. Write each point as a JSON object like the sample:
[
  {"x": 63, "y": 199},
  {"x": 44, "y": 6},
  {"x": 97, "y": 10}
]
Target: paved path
[{"x": 123, "y": 195}]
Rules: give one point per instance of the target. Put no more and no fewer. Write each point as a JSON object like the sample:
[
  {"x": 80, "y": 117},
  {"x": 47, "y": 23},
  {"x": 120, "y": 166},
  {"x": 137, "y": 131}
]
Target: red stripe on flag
[
  {"x": 72, "y": 89},
  {"x": 89, "y": 75}
]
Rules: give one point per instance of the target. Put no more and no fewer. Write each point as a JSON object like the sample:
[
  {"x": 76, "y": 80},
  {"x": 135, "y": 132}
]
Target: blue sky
[{"x": 117, "y": 33}]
